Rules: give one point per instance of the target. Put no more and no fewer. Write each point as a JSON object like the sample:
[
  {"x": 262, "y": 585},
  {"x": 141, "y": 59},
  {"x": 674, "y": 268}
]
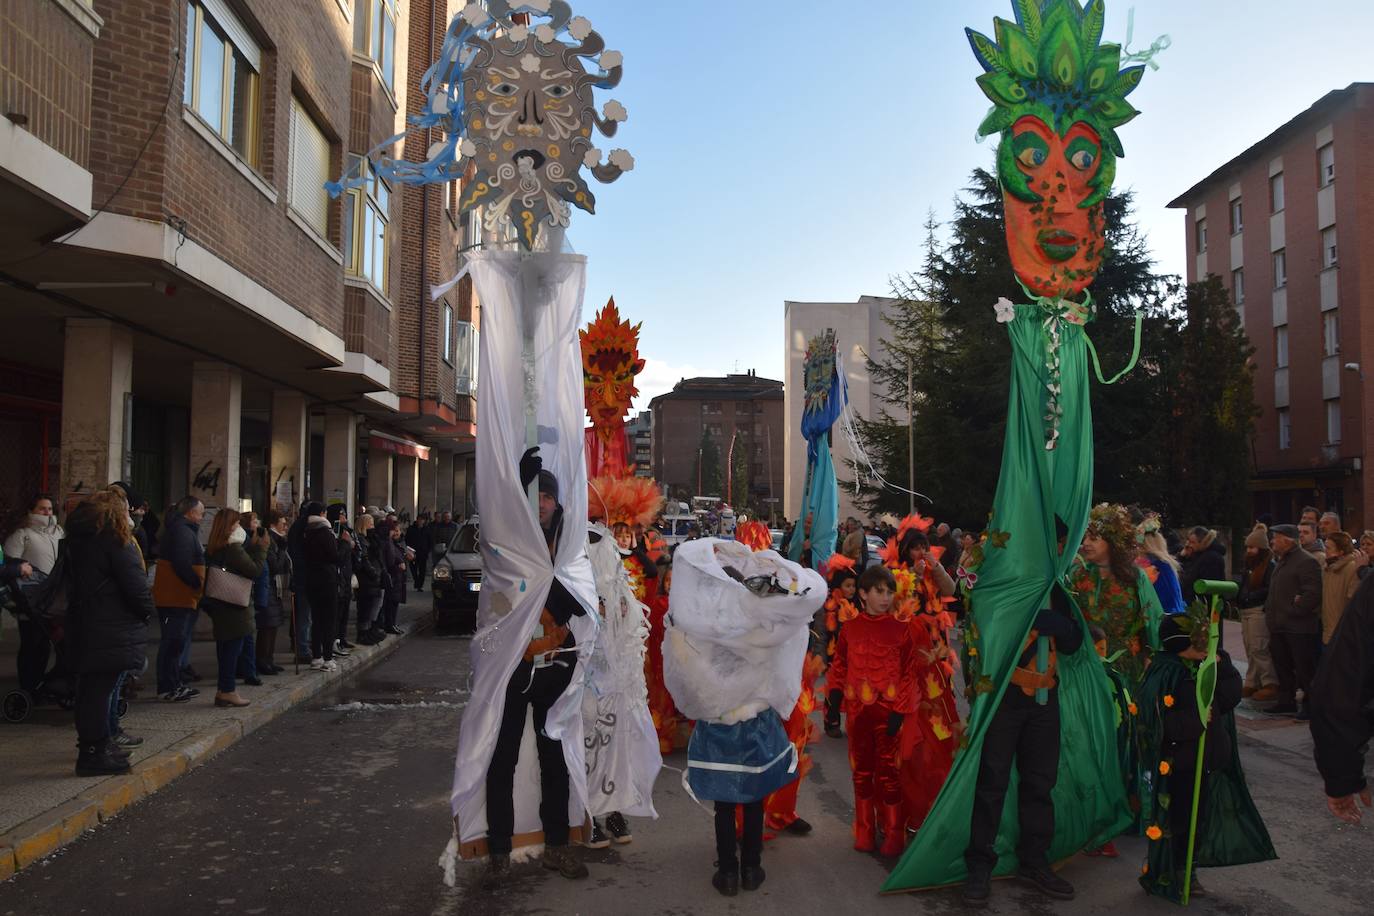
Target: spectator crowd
[{"x": 85, "y": 593}]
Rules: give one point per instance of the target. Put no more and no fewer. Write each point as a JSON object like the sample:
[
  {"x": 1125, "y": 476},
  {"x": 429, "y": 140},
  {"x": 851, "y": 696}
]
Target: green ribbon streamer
[{"x": 1135, "y": 355}]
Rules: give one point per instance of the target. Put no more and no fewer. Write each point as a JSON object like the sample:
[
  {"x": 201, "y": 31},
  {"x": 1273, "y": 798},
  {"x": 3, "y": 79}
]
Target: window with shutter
[{"x": 309, "y": 163}]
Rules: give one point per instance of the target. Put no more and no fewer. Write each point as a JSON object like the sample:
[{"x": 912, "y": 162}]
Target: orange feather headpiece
[{"x": 632, "y": 500}]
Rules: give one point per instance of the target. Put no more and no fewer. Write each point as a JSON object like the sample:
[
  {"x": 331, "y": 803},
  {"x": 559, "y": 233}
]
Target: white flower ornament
[{"x": 1005, "y": 310}]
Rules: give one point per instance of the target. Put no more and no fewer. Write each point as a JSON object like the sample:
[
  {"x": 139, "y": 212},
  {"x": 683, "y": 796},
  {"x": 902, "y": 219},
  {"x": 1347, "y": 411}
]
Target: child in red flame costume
[
  {"x": 874, "y": 673},
  {"x": 929, "y": 738}
]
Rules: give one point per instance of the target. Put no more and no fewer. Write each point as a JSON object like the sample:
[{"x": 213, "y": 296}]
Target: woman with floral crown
[
  {"x": 1116, "y": 595},
  {"x": 929, "y": 737}
]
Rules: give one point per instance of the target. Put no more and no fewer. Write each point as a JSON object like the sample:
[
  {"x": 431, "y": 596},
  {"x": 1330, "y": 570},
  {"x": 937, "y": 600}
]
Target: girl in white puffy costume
[{"x": 737, "y": 635}]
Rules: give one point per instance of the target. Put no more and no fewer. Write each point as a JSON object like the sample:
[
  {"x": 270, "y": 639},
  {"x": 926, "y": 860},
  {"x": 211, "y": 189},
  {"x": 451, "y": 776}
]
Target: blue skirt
[{"x": 740, "y": 763}]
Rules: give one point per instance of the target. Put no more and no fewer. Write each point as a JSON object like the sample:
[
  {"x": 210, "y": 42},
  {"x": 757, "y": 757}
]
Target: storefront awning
[{"x": 385, "y": 442}]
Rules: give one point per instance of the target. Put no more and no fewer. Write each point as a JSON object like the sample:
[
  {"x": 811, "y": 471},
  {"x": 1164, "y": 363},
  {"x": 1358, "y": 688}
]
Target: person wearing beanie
[
  {"x": 1230, "y": 830},
  {"x": 1292, "y": 612},
  {"x": 1261, "y": 685},
  {"x": 537, "y": 683}
]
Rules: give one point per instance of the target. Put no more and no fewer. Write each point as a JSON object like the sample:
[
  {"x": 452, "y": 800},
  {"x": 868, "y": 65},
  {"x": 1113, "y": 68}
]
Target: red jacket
[{"x": 875, "y": 663}]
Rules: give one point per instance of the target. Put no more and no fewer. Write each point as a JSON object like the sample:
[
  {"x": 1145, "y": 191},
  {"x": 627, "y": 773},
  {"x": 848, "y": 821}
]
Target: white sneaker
[
  {"x": 340, "y": 652},
  {"x": 330, "y": 665},
  {"x": 317, "y": 664}
]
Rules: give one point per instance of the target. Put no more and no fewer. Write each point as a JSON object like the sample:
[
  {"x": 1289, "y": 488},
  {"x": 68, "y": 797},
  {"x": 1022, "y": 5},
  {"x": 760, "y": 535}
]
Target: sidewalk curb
[{"x": 41, "y": 836}]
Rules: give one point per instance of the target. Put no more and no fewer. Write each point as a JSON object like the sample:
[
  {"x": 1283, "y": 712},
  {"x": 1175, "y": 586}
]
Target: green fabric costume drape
[
  {"x": 1036, "y": 484},
  {"x": 1230, "y": 830}
]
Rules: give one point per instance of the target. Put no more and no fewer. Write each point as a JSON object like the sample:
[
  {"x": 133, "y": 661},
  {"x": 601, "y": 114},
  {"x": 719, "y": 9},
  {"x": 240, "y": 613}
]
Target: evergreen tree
[
  {"x": 1212, "y": 393},
  {"x": 738, "y": 497},
  {"x": 710, "y": 474},
  {"x": 961, "y": 359}
]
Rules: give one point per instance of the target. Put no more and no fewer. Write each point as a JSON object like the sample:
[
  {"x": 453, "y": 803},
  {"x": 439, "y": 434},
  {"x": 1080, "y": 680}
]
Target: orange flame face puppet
[{"x": 610, "y": 362}]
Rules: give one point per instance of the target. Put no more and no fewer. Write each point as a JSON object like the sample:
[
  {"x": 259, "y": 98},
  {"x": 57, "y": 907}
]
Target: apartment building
[
  {"x": 740, "y": 409},
  {"x": 1288, "y": 225},
  {"x": 187, "y": 307}
]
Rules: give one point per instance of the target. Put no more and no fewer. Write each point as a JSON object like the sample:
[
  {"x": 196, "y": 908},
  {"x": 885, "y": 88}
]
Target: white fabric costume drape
[
  {"x": 621, "y": 745},
  {"x": 539, "y": 295},
  {"x": 729, "y": 653}
]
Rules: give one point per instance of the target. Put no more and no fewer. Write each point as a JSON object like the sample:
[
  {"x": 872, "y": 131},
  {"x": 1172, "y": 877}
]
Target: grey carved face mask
[{"x": 516, "y": 100}]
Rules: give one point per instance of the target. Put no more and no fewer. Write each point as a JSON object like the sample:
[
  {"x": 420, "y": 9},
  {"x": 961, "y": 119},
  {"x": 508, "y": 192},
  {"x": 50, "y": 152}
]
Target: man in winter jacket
[
  {"x": 177, "y": 588},
  {"x": 1292, "y": 611},
  {"x": 294, "y": 537},
  {"x": 337, "y": 515},
  {"x": 1342, "y": 697},
  {"x": 420, "y": 538},
  {"x": 320, "y": 559},
  {"x": 1204, "y": 557}
]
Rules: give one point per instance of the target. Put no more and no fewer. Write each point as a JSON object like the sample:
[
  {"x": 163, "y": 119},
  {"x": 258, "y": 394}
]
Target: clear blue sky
[{"x": 797, "y": 157}]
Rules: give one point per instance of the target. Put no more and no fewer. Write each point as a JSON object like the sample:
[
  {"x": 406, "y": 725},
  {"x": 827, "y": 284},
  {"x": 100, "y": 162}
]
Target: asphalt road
[{"x": 340, "y": 807}]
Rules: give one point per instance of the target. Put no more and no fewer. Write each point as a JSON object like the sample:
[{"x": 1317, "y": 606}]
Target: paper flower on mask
[
  {"x": 1005, "y": 310},
  {"x": 1153, "y": 832}
]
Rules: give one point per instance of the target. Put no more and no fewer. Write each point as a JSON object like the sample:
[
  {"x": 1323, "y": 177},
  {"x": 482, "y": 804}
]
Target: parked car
[{"x": 457, "y": 580}]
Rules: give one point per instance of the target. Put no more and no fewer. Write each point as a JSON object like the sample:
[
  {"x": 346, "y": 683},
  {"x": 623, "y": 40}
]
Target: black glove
[
  {"x": 894, "y": 723},
  {"x": 1052, "y": 623},
  {"x": 530, "y": 466},
  {"x": 561, "y": 604}
]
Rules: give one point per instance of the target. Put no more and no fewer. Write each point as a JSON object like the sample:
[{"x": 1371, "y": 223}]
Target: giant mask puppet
[
  {"x": 610, "y": 362},
  {"x": 1058, "y": 95},
  {"x": 515, "y": 100},
  {"x": 530, "y": 116}
]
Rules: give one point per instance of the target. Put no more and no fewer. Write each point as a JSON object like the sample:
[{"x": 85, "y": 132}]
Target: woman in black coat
[
  {"x": 372, "y": 580},
  {"x": 393, "y": 561},
  {"x": 108, "y": 608}
]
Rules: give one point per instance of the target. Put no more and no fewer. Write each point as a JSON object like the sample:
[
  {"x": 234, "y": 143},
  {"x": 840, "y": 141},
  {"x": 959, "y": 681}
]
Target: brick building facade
[
  {"x": 1288, "y": 226},
  {"x": 196, "y": 311},
  {"x": 743, "y": 408}
]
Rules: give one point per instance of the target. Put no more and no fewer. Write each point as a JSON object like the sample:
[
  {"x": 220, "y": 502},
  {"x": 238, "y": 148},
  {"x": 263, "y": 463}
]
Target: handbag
[{"x": 228, "y": 587}]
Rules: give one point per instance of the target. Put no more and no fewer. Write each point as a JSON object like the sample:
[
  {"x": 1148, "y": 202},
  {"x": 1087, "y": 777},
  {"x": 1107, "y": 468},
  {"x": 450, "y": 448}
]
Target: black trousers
[
  {"x": 32, "y": 660},
  {"x": 536, "y": 689},
  {"x": 1027, "y": 733},
  {"x": 341, "y": 613},
  {"x": 93, "y": 692},
  {"x": 390, "y": 605},
  {"x": 1295, "y": 661},
  {"x": 417, "y": 568},
  {"x": 750, "y": 844},
  {"x": 324, "y": 616}
]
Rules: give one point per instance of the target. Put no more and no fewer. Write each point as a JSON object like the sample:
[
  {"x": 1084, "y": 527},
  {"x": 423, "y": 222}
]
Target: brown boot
[
  {"x": 230, "y": 699},
  {"x": 1265, "y": 695}
]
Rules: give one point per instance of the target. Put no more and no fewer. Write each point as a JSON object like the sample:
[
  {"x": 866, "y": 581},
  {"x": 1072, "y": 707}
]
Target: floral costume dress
[{"x": 1129, "y": 614}]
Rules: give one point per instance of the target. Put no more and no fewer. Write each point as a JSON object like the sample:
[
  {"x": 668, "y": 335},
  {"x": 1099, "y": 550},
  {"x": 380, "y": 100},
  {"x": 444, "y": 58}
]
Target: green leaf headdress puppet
[{"x": 1058, "y": 95}]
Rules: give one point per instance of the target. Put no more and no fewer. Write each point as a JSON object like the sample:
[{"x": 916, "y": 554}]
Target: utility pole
[{"x": 910, "y": 443}]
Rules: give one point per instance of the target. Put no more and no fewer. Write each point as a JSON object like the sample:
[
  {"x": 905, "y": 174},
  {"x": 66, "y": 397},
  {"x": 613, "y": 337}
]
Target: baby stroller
[{"x": 57, "y": 685}]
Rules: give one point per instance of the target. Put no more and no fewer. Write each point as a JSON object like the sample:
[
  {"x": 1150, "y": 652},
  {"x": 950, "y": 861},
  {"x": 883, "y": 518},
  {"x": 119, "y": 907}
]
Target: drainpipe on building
[{"x": 424, "y": 245}]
